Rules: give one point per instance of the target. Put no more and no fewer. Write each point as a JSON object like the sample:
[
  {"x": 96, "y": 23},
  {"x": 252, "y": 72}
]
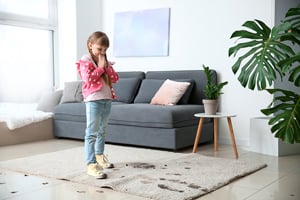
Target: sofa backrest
[
  {"x": 128, "y": 85},
  {"x": 198, "y": 76},
  {"x": 132, "y": 74},
  {"x": 128, "y": 93}
]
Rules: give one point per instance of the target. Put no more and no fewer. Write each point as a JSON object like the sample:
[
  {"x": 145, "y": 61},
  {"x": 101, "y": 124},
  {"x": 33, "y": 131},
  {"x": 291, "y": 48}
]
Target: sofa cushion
[
  {"x": 169, "y": 93},
  {"x": 197, "y": 94},
  {"x": 49, "y": 100},
  {"x": 70, "y": 112},
  {"x": 157, "y": 116},
  {"x": 186, "y": 96},
  {"x": 147, "y": 115},
  {"x": 126, "y": 89},
  {"x": 149, "y": 87},
  {"x": 147, "y": 90},
  {"x": 72, "y": 92}
]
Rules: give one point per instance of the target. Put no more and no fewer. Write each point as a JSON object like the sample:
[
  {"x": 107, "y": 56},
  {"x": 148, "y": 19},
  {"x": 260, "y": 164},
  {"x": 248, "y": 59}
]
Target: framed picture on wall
[{"x": 142, "y": 33}]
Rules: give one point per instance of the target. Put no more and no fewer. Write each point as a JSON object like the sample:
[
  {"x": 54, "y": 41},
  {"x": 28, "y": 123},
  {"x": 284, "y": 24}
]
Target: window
[
  {"x": 32, "y": 8},
  {"x": 27, "y": 31},
  {"x": 26, "y": 65}
]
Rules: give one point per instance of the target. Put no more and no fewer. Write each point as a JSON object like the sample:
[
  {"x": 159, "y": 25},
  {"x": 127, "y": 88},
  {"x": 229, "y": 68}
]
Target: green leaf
[
  {"x": 235, "y": 49},
  {"x": 259, "y": 27},
  {"x": 265, "y": 28},
  {"x": 294, "y": 70},
  {"x": 211, "y": 89},
  {"x": 264, "y": 54},
  {"x": 256, "y": 65},
  {"x": 285, "y": 110},
  {"x": 295, "y": 76},
  {"x": 245, "y": 34}
]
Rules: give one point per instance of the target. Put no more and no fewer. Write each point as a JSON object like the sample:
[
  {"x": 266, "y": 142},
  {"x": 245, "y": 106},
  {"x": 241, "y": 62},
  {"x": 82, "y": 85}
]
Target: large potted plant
[
  {"x": 212, "y": 92},
  {"x": 269, "y": 54}
]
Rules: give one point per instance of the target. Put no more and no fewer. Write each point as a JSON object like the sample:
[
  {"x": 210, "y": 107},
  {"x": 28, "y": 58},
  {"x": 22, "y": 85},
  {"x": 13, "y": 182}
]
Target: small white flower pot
[{"x": 210, "y": 106}]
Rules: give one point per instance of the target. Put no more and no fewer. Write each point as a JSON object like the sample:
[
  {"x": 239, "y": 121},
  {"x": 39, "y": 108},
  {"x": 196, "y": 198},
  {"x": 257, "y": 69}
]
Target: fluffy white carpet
[
  {"x": 17, "y": 115},
  {"x": 143, "y": 172}
]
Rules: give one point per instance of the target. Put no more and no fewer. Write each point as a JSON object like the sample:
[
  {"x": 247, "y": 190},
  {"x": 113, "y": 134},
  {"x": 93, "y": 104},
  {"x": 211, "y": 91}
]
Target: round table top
[{"x": 217, "y": 115}]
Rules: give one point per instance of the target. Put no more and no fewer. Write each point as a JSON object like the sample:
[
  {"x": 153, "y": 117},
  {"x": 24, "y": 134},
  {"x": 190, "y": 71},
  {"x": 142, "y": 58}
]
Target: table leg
[
  {"x": 232, "y": 137},
  {"x": 216, "y": 134},
  {"x": 198, "y": 134}
]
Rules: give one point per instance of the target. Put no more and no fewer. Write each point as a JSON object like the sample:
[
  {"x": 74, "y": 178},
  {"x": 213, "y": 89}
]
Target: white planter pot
[
  {"x": 263, "y": 141},
  {"x": 210, "y": 106}
]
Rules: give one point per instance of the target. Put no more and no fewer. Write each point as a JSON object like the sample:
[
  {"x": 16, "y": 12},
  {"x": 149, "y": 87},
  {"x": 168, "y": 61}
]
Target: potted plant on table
[
  {"x": 212, "y": 91},
  {"x": 271, "y": 53}
]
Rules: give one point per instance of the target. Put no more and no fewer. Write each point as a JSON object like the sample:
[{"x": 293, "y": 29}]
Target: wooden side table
[{"x": 215, "y": 118}]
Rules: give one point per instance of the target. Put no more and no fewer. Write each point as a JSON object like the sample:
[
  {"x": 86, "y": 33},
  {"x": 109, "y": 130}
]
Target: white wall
[
  {"x": 67, "y": 47},
  {"x": 76, "y": 21},
  {"x": 89, "y": 19},
  {"x": 199, "y": 34}
]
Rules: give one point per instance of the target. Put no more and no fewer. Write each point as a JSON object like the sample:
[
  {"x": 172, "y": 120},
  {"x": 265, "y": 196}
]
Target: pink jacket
[{"x": 91, "y": 76}]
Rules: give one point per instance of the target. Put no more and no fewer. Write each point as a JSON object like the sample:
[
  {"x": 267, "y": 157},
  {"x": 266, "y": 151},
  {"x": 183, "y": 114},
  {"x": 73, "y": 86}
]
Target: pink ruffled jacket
[{"x": 91, "y": 76}]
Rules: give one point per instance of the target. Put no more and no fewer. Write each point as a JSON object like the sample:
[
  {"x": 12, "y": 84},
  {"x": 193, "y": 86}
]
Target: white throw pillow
[
  {"x": 49, "y": 100},
  {"x": 72, "y": 92},
  {"x": 169, "y": 92}
]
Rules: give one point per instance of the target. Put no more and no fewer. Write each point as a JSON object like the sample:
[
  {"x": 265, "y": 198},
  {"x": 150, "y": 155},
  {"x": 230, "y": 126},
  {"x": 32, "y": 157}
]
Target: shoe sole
[
  {"x": 101, "y": 177},
  {"x": 109, "y": 167}
]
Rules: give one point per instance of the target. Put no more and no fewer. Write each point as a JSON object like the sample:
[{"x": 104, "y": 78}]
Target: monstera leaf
[
  {"x": 293, "y": 65},
  {"x": 286, "y": 110},
  {"x": 266, "y": 52},
  {"x": 293, "y": 35},
  {"x": 258, "y": 65}
]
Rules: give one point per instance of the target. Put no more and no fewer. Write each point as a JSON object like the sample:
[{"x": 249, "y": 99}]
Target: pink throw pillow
[{"x": 169, "y": 92}]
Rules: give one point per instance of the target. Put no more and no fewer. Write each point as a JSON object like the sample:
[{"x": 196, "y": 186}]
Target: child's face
[{"x": 98, "y": 50}]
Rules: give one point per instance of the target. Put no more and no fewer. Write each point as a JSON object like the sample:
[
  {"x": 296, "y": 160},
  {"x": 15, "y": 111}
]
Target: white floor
[{"x": 279, "y": 181}]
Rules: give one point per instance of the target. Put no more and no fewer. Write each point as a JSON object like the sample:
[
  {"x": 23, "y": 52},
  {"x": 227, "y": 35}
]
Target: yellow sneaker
[
  {"x": 103, "y": 161},
  {"x": 95, "y": 170}
]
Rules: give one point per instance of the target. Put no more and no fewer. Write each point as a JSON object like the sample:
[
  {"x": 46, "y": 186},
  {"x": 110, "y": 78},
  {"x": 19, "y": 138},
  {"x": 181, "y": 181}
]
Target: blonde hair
[{"x": 100, "y": 38}]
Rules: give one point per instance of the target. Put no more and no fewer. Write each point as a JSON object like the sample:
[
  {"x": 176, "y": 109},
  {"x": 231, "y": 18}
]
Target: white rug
[
  {"x": 17, "y": 115},
  {"x": 143, "y": 172}
]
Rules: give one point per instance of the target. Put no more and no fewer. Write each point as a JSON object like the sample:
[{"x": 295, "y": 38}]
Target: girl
[{"x": 97, "y": 76}]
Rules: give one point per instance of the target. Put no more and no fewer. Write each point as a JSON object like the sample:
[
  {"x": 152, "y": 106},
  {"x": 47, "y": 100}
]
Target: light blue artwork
[{"x": 142, "y": 33}]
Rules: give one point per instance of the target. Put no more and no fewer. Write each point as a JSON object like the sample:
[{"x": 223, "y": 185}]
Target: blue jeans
[{"x": 97, "y": 115}]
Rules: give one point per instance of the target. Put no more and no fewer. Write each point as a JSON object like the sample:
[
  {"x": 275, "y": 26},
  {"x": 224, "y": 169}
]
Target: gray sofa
[{"x": 134, "y": 121}]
